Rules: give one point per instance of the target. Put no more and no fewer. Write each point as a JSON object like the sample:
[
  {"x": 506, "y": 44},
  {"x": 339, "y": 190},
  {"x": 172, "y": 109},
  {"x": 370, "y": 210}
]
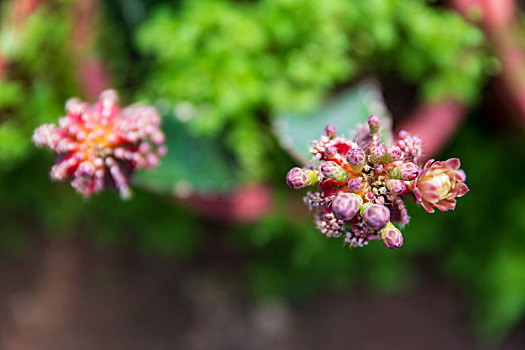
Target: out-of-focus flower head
[
  {"x": 99, "y": 146},
  {"x": 362, "y": 184}
]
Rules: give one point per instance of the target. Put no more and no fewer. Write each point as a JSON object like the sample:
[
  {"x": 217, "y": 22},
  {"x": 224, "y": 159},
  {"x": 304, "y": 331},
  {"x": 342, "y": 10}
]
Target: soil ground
[{"x": 69, "y": 295}]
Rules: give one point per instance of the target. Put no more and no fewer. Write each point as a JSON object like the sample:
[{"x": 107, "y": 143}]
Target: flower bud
[
  {"x": 330, "y": 152},
  {"x": 346, "y": 205},
  {"x": 356, "y": 159},
  {"x": 410, "y": 145},
  {"x": 298, "y": 178},
  {"x": 375, "y": 216},
  {"x": 402, "y": 134},
  {"x": 333, "y": 171},
  {"x": 405, "y": 171},
  {"x": 397, "y": 187},
  {"x": 392, "y": 154},
  {"x": 330, "y": 131},
  {"x": 391, "y": 236},
  {"x": 377, "y": 152},
  {"x": 374, "y": 122},
  {"x": 355, "y": 185}
]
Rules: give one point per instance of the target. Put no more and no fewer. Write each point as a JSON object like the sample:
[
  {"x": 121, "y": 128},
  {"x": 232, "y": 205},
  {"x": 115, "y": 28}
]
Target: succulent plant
[{"x": 362, "y": 184}]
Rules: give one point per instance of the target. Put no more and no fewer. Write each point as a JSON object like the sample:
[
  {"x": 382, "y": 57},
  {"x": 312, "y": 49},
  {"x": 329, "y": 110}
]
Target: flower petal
[
  {"x": 461, "y": 190},
  {"x": 460, "y": 176},
  {"x": 427, "y": 207},
  {"x": 453, "y": 163},
  {"x": 417, "y": 194},
  {"x": 427, "y": 187},
  {"x": 427, "y": 164},
  {"x": 445, "y": 205}
]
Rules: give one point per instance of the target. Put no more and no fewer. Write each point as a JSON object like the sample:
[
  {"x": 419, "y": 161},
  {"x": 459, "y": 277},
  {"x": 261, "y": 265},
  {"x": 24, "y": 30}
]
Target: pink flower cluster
[
  {"x": 362, "y": 183},
  {"x": 99, "y": 146}
]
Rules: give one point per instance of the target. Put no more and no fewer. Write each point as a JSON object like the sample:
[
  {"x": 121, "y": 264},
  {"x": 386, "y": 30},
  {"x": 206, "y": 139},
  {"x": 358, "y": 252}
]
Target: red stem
[
  {"x": 91, "y": 72},
  {"x": 501, "y": 24},
  {"x": 245, "y": 204}
]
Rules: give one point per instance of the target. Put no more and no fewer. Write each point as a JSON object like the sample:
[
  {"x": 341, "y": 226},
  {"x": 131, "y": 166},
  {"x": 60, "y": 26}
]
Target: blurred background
[{"x": 213, "y": 251}]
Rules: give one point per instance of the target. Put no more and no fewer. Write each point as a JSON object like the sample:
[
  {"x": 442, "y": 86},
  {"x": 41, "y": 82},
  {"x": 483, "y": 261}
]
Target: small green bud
[
  {"x": 391, "y": 236},
  {"x": 333, "y": 171},
  {"x": 298, "y": 178}
]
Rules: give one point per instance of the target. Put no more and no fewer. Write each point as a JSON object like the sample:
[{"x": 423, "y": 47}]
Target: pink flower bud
[
  {"x": 377, "y": 152},
  {"x": 410, "y": 145},
  {"x": 356, "y": 159},
  {"x": 402, "y": 134},
  {"x": 397, "y": 187},
  {"x": 392, "y": 154},
  {"x": 355, "y": 185},
  {"x": 408, "y": 171},
  {"x": 330, "y": 152},
  {"x": 330, "y": 131},
  {"x": 375, "y": 216},
  {"x": 374, "y": 123},
  {"x": 391, "y": 236},
  {"x": 405, "y": 171},
  {"x": 333, "y": 171},
  {"x": 379, "y": 169},
  {"x": 298, "y": 178},
  {"x": 346, "y": 205}
]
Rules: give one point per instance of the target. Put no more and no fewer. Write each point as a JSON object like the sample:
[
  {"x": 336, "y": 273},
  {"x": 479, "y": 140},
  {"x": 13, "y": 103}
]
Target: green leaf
[
  {"x": 504, "y": 301},
  {"x": 346, "y": 111},
  {"x": 192, "y": 164}
]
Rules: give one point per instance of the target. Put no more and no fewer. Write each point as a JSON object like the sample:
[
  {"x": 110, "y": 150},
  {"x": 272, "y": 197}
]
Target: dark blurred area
[{"x": 213, "y": 251}]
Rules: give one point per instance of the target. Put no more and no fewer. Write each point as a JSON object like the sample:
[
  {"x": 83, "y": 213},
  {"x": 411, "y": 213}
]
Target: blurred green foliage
[
  {"x": 193, "y": 164},
  {"x": 226, "y": 69},
  {"x": 32, "y": 206},
  {"x": 239, "y": 63},
  {"x": 491, "y": 237},
  {"x": 38, "y": 77},
  {"x": 348, "y": 109}
]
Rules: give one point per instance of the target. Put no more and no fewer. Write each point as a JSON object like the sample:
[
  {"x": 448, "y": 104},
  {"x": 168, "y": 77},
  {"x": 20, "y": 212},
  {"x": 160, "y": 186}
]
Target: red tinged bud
[
  {"x": 355, "y": 185},
  {"x": 330, "y": 131},
  {"x": 298, "y": 178},
  {"x": 334, "y": 172},
  {"x": 405, "y": 171},
  {"x": 392, "y": 154},
  {"x": 391, "y": 236},
  {"x": 346, "y": 205},
  {"x": 356, "y": 159},
  {"x": 374, "y": 123},
  {"x": 377, "y": 152},
  {"x": 375, "y": 216}
]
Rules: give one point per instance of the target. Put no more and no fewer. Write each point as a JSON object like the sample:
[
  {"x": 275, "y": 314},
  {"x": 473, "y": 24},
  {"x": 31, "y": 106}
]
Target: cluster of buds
[
  {"x": 362, "y": 184},
  {"x": 99, "y": 146}
]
